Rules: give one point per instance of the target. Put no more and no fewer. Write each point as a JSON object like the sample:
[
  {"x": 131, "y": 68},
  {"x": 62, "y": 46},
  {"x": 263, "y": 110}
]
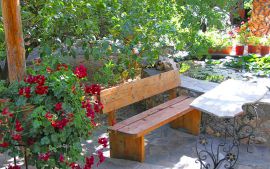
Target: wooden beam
[{"x": 14, "y": 39}]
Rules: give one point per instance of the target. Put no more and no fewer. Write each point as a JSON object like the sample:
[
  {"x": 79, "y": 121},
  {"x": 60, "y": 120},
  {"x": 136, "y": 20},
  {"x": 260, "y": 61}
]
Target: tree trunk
[{"x": 14, "y": 39}]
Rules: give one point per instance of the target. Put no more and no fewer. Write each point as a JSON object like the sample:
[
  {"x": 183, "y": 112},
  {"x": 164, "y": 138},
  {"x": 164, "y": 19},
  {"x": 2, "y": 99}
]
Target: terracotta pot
[
  {"x": 227, "y": 50},
  {"x": 239, "y": 50},
  {"x": 210, "y": 50},
  {"x": 252, "y": 49},
  {"x": 264, "y": 50}
]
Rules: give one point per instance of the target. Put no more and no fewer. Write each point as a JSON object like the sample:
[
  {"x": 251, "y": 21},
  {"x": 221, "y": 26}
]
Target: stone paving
[{"x": 168, "y": 148}]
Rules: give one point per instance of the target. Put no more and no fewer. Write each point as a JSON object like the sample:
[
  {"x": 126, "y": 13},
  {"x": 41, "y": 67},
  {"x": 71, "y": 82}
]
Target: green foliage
[
  {"x": 253, "y": 40},
  {"x": 252, "y": 63},
  {"x": 64, "y": 27},
  {"x": 49, "y": 112}
]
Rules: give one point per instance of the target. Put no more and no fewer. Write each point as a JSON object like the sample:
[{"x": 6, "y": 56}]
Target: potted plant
[
  {"x": 241, "y": 41},
  {"x": 265, "y": 43},
  {"x": 253, "y": 43},
  {"x": 220, "y": 44},
  {"x": 47, "y": 115}
]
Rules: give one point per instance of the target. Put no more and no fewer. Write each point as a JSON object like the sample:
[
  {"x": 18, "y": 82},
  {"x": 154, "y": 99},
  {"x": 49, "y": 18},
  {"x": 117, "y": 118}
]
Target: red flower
[
  {"x": 94, "y": 89},
  {"x": 62, "y": 67},
  {"x": 44, "y": 156},
  {"x": 30, "y": 141},
  {"x": 14, "y": 167},
  {"x": 80, "y": 71},
  {"x": 103, "y": 141},
  {"x": 101, "y": 157},
  {"x": 5, "y": 111},
  {"x": 75, "y": 166},
  {"x": 61, "y": 158},
  {"x": 48, "y": 116},
  {"x": 4, "y": 144},
  {"x": 242, "y": 23},
  {"x": 98, "y": 106},
  {"x": 58, "y": 106},
  {"x": 89, "y": 161},
  {"x": 41, "y": 90},
  {"x": 90, "y": 113},
  {"x": 29, "y": 79},
  {"x": 25, "y": 92},
  {"x": 18, "y": 126},
  {"x": 39, "y": 79},
  {"x": 16, "y": 137},
  {"x": 49, "y": 70},
  {"x": 60, "y": 124}
]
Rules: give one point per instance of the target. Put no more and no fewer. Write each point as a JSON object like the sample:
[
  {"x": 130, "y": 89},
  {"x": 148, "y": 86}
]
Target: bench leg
[
  {"x": 112, "y": 118},
  {"x": 125, "y": 147},
  {"x": 190, "y": 121}
]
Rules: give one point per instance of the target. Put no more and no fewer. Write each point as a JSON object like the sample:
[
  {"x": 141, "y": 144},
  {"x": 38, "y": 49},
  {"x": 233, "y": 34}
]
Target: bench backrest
[{"x": 137, "y": 90}]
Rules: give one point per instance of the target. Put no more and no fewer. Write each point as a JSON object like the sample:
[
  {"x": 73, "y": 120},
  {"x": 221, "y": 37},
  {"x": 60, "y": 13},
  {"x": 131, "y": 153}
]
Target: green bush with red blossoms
[{"x": 46, "y": 116}]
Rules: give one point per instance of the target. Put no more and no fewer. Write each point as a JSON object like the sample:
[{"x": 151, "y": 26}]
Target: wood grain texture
[
  {"x": 147, "y": 113},
  {"x": 14, "y": 39},
  {"x": 190, "y": 121},
  {"x": 112, "y": 118},
  {"x": 125, "y": 147},
  {"x": 146, "y": 122},
  {"x": 131, "y": 92}
]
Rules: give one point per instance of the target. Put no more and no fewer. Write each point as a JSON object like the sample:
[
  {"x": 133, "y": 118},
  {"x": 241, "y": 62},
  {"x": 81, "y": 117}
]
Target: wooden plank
[
  {"x": 124, "y": 147},
  {"x": 154, "y": 121},
  {"x": 128, "y": 93},
  {"x": 190, "y": 121},
  {"x": 147, "y": 113},
  {"x": 14, "y": 39},
  {"x": 112, "y": 118}
]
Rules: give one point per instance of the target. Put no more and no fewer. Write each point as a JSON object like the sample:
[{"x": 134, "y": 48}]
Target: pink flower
[
  {"x": 80, "y": 71},
  {"x": 242, "y": 23}
]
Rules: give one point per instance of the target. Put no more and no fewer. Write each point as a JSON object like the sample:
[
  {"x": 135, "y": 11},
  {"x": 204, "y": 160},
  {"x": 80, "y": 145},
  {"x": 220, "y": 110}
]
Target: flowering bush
[{"x": 48, "y": 114}]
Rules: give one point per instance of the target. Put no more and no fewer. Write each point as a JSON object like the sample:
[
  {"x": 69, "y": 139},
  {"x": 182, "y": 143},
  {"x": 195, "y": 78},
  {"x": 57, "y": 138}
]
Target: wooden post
[{"x": 14, "y": 39}]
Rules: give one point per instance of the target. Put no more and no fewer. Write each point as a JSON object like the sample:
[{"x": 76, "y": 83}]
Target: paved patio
[{"x": 168, "y": 148}]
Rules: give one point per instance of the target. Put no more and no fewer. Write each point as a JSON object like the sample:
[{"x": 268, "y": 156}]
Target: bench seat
[{"x": 127, "y": 137}]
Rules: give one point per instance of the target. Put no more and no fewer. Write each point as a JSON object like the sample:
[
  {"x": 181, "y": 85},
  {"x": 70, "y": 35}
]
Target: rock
[{"x": 260, "y": 140}]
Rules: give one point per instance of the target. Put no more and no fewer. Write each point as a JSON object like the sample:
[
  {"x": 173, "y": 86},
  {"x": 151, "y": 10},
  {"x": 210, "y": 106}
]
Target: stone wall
[
  {"x": 215, "y": 126},
  {"x": 260, "y": 18}
]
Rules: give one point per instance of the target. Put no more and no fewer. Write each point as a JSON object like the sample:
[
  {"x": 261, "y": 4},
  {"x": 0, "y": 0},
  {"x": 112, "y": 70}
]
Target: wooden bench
[{"x": 127, "y": 137}]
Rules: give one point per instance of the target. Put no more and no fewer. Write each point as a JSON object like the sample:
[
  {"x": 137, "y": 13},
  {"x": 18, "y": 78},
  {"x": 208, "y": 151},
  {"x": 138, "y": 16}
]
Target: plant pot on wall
[
  {"x": 264, "y": 50},
  {"x": 252, "y": 49},
  {"x": 227, "y": 50},
  {"x": 239, "y": 50}
]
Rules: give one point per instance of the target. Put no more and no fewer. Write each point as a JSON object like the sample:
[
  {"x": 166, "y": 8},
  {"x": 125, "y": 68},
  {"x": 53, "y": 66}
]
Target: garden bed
[{"x": 250, "y": 67}]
